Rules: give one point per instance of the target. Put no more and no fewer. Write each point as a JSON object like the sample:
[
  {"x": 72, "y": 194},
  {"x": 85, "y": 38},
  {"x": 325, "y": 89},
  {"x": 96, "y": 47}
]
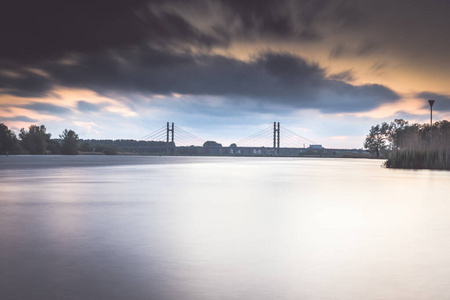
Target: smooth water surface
[{"x": 102, "y": 227}]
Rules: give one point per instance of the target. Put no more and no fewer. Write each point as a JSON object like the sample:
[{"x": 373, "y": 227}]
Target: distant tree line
[
  {"x": 8, "y": 140},
  {"x": 131, "y": 146},
  {"x": 36, "y": 140},
  {"x": 414, "y": 146}
]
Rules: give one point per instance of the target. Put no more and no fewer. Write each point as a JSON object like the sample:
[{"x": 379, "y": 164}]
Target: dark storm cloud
[
  {"x": 344, "y": 97},
  {"x": 414, "y": 28},
  {"x": 442, "y": 101},
  {"x": 38, "y": 30},
  {"x": 151, "y": 47},
  {"x": 33, "y": 31},
  {"x": 268, "y": 17},
  {"x": 85, "y": 107},
  {"x": 298, "y": 19},
  {"x": 271, "y": 78},
  {"x": 46, "y": 108},
  {"x": 25, "y": 84}
]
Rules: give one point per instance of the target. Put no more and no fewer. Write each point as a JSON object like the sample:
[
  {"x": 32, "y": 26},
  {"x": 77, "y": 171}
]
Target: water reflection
[{"x": 227, "y": 228}]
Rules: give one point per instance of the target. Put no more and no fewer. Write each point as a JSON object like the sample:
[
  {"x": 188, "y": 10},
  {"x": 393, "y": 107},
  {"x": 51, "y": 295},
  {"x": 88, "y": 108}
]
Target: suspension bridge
[{"x": 273, "y": 140}]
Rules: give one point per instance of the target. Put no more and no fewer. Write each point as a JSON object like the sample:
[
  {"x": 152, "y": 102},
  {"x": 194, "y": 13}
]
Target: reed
[
  {"x": 421, "y": 147},
  {"x": 419, "y": 159}
]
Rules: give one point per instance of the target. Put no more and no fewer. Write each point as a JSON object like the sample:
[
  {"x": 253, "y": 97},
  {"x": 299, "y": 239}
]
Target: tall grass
[
  {"x": 419, "y": 159},
  {"x": 422, "y": 147}
]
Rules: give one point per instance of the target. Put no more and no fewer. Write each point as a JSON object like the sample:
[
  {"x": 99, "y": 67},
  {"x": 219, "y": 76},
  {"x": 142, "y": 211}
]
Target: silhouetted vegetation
[
  {"x": 54, "y": 146},
  {"x": 412, "y": 146},
  {"x": 125, "y": 146},
  {"x": 105, "y": 149},
  {"x": 69, "y": 142},
  {"x": 85, "y": 147},
  {"x": 35, "y": 140},
  {"x": 8, "y": 140},
  {"x": 212, "y": 148},
  {"x": 383, "y": 137}
]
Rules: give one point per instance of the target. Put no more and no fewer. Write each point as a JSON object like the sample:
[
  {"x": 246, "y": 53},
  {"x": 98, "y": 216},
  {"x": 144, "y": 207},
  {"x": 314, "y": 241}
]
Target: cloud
[
  {"x": 367, "y": 48},
  {"x": 338, "y": 51},
  {"x": 46, "y": 108},
  {"x": 20, "y": 119},
  {"x": 25, "y": 84},
  {"x": 86, "y": 107},
  {"x": 255, "y": 17},
  {"x": 413, "y": 30},
  {"x": 173, "y": 25},
  {"x": 343, "y": 76},
  {"x": 164, "y": 47},
  {"x": 300, "y": 20},
  {"x": 378, "y": 66},
  {"x": 50, "y": 29},
  {"x": 270, "y": 78},
  {"x": 364, "y": 49},
  {"x": 442, "y": 101},
  {"x": 29, "y": 34}
]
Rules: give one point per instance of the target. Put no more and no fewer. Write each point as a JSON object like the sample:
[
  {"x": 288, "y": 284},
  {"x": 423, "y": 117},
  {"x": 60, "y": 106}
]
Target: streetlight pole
[
  {"x": 431, "y": 102},
  {"x": 431, "y": 112}
]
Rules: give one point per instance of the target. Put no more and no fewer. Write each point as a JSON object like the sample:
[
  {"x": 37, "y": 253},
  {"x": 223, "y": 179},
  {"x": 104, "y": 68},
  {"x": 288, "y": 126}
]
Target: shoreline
[{"x": 24, "y": 161}]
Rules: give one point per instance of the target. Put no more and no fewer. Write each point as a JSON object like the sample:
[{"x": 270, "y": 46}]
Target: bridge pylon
[
  {"x": 170, "y": 149},
  {"x": 170, "y": 130},
  {"x": 276, "y": 138}
]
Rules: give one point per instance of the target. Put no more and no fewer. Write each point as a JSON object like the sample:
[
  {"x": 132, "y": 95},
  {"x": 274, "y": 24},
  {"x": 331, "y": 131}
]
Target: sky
[{"x": 223, "y": 69}]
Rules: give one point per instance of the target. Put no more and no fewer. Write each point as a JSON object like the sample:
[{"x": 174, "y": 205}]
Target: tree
[
  {"x": 212, "y": 144},
  {"x": 212, "y": 147},
  {"x": 8, "y": 140},
  {"x": 69, "y": 141},
  {"x": 86, "y": 147},
  {"x": 377, "y": 139},
  {"x": 395, "y": 132},
  {"x": 54, "y": 146},
  {"x": 106, "y": 149},
  {"x": 35, "y": 140}
]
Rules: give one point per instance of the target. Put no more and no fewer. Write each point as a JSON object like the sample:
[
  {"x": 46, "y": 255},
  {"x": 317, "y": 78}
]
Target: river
[{"x": 115, "y": 227}]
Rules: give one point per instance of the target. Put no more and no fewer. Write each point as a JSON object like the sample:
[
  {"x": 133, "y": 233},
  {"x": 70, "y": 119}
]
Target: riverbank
[
  {"x": 419, "y": 159},
  {"x": 324, "y": 154}
]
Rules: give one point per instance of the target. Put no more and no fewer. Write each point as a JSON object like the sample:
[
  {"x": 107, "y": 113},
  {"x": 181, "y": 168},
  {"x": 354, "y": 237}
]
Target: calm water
[{"x": 221, "y": 228}]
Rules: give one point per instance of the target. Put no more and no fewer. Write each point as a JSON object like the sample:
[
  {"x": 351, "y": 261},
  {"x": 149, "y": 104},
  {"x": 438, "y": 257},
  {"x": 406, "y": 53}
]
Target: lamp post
[
  {"x": 431, "y": 112},
  {"x": 431, "y": 102}
]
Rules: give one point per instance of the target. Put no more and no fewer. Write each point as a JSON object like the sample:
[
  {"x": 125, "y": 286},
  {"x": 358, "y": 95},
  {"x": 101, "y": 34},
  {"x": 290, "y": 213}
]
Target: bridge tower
[
  {"x": 276, "y": 138},
  {"x": 170, "y": 149},
  {"x": 169, "y": 130}
]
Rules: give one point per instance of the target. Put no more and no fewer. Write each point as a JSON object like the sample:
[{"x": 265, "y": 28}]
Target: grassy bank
[
  {"x": 419, "y": 159},
  {"x": 411, "y": 146}
]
